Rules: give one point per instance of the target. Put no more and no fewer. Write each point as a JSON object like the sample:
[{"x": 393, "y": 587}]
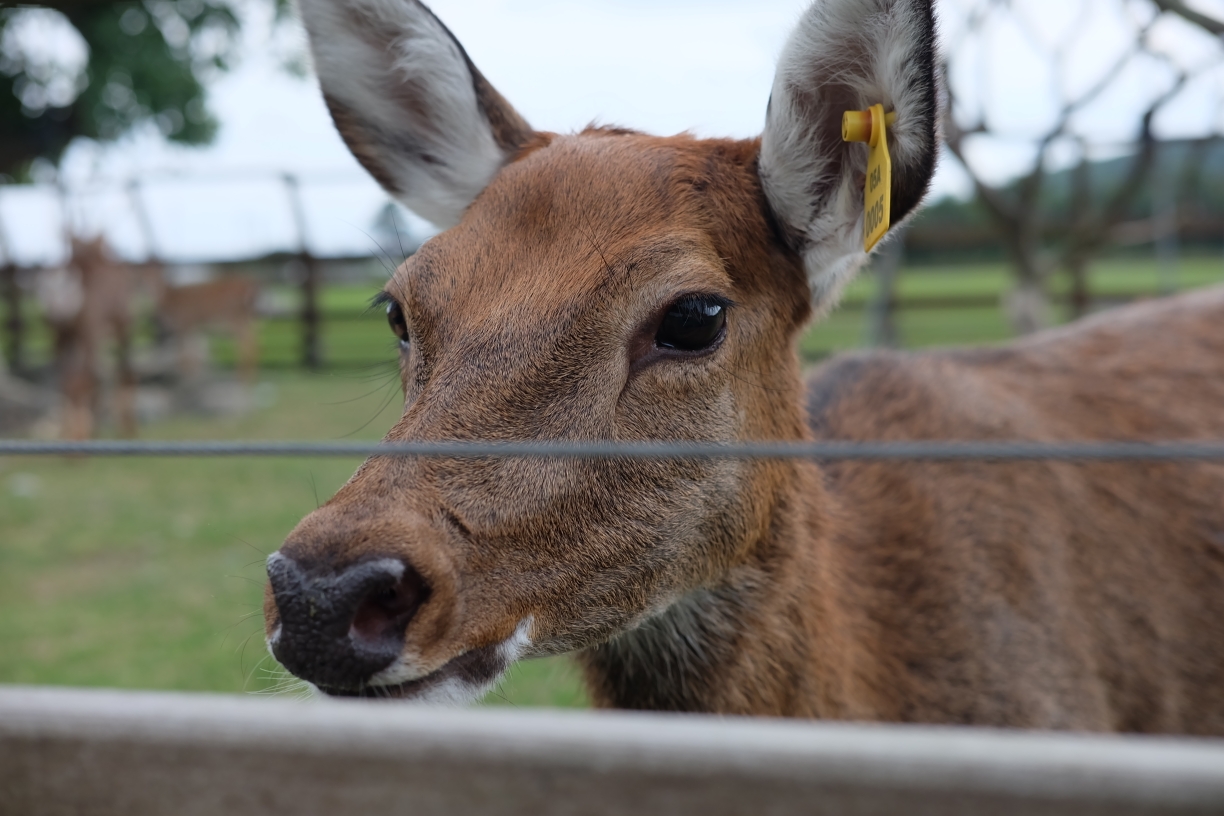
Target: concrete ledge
[{"x": 65, "y": 751}]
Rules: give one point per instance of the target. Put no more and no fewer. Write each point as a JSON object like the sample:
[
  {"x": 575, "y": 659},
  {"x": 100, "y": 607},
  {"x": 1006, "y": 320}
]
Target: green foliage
[
  {"x": 140, "y": 64},
  {"x": 1193, "y": 168},
  {"x": 1191, "y": 172}
]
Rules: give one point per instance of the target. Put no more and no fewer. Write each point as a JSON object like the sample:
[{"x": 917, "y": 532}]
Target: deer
[
  {"x": 613, "y": 285},
  {"x": 88, "y": 305},
  {"x": 227, "y": 303}
]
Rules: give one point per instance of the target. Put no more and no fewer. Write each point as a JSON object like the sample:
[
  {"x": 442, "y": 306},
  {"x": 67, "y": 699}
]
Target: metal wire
[{"x": 1206, "y": 450}]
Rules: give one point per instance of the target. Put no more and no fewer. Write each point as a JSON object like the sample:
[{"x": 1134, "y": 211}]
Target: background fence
[
  {"x": 318, "y": 271},
  {"x": 283, "y": 246}
]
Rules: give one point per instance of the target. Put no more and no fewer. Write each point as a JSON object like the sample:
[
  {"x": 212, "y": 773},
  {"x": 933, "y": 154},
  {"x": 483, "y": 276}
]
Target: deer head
[{"x": 602, "y": 285}]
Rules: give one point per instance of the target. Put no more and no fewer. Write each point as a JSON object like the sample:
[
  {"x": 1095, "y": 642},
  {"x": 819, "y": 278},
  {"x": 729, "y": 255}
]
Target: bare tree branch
[
  {"x": 1203, "y": 21},
  {"x": 1090, "y": 232}
]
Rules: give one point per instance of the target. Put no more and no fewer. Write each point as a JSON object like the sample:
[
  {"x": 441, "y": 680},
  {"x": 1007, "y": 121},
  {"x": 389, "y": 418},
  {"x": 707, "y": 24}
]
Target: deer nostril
[
  {"x": 337, "y": 629},
  {"x": 384, "y": 613}
]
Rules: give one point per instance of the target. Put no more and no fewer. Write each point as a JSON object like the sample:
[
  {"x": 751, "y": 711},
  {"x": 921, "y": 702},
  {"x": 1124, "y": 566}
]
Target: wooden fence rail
[{"x": 68, "y": 751}]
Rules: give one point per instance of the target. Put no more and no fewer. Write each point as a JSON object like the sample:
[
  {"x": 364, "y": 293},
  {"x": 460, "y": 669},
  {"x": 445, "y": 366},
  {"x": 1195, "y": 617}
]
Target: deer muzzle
[{"x": 337, "y": 629}]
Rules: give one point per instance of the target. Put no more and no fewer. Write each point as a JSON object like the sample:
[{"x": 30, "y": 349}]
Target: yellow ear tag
[{"x": 870, "y": 126}]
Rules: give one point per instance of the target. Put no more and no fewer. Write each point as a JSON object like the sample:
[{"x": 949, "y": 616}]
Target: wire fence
[{"x": 1196, "y": 450}]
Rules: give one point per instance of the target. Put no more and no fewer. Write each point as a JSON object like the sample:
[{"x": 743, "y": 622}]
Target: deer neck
[{"x": 768, "y": 639}]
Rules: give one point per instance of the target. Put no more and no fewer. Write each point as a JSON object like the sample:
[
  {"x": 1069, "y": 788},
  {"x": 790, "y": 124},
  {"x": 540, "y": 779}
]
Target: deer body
[
  {"x": 927, "y": 592},
  {"x": 614, "y": 285},
  {"x": 228, "y": 304},
  {"x": 89, "y": 305}
]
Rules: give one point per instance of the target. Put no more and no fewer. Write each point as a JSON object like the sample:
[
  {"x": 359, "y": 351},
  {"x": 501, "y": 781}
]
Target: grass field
[{"x": 148, "y": 573}]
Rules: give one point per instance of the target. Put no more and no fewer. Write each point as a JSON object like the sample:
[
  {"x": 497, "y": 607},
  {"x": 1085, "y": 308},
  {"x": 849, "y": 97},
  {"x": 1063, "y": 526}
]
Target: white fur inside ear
[
  {"x": 410, "y": 104},
  {"x": 844, "y": 55}
]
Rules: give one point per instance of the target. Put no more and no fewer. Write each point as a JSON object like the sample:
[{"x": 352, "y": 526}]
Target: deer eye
[
  {"x": 399, "y": 325},
  {"x": 693, "y": 323}
]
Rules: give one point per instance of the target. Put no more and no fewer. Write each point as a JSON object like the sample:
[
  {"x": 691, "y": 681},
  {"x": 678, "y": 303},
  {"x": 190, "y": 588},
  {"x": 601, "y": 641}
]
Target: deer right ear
[
  {"x": 412, "y": 107},
  {"x": 847, "y": 55}
]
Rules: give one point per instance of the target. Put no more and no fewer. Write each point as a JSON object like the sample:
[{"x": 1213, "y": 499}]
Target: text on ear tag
[{"x": 871, "y": 126}]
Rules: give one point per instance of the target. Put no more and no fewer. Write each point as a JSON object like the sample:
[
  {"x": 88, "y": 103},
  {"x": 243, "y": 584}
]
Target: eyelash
[{"x": 398, "y": 323}]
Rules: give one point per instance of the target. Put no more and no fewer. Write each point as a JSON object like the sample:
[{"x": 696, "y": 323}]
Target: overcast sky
[{"x": 663, "y": 66}]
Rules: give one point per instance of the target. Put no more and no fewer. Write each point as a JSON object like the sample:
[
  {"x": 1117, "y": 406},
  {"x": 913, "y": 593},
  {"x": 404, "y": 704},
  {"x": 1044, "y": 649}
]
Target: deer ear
[
  {"x": 847, "y": 55},
  {"x": 412, "y": 107}
]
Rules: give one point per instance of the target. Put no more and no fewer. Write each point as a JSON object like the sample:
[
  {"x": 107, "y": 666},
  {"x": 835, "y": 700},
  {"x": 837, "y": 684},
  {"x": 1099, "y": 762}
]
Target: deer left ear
[{"x": 848, "y": 55}]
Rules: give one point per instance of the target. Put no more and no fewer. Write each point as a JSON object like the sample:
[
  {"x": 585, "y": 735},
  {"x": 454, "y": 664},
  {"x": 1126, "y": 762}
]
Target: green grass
[
  {"x": 846, "y": 328},
  {"x": 148, "y": 573}
]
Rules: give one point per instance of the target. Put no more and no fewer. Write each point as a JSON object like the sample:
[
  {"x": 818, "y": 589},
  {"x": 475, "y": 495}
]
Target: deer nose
[{"x": 338, "y": 629}]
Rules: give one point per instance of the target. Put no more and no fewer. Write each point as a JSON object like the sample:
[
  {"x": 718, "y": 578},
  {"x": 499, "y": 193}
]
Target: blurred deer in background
[
  {"x": 89, "y": 306},
  {"x": 612, "y": 285},
  {"x": 230, "y": 304}
]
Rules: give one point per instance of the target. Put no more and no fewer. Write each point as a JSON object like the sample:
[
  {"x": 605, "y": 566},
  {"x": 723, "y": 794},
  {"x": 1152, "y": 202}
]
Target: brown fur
[
  {"x": 1037, "y": 595},
  {"x": 104, "y": 317},
  {"x": 226, "y": 303}
]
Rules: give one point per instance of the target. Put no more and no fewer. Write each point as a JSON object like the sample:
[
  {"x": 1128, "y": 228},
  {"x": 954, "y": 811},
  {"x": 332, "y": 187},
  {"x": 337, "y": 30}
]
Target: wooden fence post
[
  {"x": 312, "y": 346},
  {"x": 1164, "y": 218},
  {"x": 882, "y": 309},
  {"x": 14, "y": 320},
  {"x": 312, "y": 354}
]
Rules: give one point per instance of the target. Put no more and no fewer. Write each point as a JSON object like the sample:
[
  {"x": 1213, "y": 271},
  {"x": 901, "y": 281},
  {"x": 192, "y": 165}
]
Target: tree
[
  {"x": 1206, "y": 22},
  {"x": 1039, "y": 239},
  {"x": 135, "y": 64}
]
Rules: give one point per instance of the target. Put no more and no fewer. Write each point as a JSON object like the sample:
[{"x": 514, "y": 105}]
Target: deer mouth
[{"x": 462, "y": 680}]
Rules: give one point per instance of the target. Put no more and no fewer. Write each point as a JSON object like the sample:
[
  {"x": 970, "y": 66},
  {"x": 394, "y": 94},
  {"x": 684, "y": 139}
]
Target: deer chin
[{"x": 460, "y": 681}]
